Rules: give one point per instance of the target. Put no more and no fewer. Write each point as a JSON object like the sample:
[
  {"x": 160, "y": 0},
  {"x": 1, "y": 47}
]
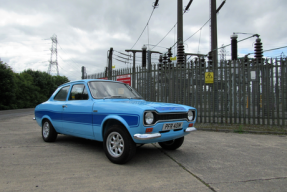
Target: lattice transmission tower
[
  {"x": 53, "y": 63},
  {"x": 222, "y": 53}
]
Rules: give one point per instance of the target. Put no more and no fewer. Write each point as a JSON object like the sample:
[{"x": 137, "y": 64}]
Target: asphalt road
[
  {"x": 9, "y": 114},
  {"x": 207, "y": 161}
]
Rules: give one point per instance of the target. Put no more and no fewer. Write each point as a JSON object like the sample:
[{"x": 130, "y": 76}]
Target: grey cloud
[{"x": 86, "y": 29}]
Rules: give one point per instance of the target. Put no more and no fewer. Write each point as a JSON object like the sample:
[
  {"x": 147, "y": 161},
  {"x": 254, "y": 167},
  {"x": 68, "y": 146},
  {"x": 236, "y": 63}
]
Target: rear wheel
[
  {"x": 172, "y": 144},
  {"x": 118, "y": 144},
  {"x": 48, "y": 132}
]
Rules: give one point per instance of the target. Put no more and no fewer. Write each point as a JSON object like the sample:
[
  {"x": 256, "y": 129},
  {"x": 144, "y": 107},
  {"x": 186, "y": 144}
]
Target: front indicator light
[
  {"x": 190, "y": 125},
  {"x": 148, "y": 130}
]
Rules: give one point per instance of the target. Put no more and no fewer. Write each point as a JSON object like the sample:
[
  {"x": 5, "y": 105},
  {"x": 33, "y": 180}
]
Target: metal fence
[{"x": 242, "y": 92}]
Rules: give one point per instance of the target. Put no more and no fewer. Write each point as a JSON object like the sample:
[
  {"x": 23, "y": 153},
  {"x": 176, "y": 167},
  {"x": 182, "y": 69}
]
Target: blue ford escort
[{"x": 115, "y": 114}]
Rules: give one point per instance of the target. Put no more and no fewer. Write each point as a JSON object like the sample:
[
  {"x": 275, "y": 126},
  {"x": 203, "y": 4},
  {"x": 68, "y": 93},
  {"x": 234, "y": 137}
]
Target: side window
[
  {"x": 79, "y": 92},
  {"x": 62, "y": 94}
]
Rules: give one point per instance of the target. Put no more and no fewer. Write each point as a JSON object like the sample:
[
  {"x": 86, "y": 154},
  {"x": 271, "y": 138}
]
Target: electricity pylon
[{"x": 53, "y": 66}]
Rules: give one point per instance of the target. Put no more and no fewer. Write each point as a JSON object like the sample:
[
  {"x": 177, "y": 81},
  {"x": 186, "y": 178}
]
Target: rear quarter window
[{"x": 62, "y": 94}]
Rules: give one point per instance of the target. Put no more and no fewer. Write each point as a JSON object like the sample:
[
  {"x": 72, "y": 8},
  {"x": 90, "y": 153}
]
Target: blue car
[{"x": 115, "y": 114}]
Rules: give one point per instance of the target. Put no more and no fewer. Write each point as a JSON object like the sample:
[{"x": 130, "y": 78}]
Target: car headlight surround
[
  {"x": 149, "y": 118},
  {"x": 190, "y": 115}
]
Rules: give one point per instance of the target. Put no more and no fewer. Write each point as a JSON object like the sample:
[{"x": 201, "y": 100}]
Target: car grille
[
  {"x": 167, "y": 117},
  {"x": 162, "y": 117}
]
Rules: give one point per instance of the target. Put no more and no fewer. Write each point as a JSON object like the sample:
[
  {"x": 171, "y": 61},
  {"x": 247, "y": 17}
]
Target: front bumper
[
  {"x": 147, "y": 136},
  {"x": 157, "y": 135},
  {"x": 190, "y": 129}
]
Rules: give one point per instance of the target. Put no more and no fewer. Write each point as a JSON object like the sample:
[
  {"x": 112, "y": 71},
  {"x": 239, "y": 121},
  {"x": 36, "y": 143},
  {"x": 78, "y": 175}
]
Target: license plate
[{"x": 170, "y": 126}]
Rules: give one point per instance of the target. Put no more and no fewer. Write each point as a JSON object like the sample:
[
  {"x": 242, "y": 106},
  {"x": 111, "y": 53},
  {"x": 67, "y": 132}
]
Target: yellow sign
[
  {"x": 209, "y": 78},
  {"x": 173, "y": 58},
  {"x": 113, "y": 66}
]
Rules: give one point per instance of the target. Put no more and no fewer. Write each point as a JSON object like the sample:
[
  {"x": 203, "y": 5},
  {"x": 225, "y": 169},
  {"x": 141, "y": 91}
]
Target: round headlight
[
  {"x": 190, "y": 115},
  {"x": 149, "y": 118}
]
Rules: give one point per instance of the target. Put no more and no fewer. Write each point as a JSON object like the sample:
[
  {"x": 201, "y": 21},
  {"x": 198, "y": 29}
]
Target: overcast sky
[{"x": 86, "y": 29}]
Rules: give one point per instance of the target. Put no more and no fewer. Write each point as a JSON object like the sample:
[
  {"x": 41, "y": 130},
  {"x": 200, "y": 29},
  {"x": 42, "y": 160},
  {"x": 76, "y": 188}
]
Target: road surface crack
[
  {"x": 184, "y": 168},
  {"x": 251, "y": 180}
]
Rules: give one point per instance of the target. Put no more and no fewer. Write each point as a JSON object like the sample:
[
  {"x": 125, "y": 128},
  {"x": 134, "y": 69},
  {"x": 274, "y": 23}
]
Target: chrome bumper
[
  {"x": 190, "y": 129},
  {"x": 147, "y": 136},
  {"x": 157, "y": 135}
]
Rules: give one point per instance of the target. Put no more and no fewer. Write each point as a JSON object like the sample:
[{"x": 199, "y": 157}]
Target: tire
[
  {"x": 118, "y": 144},
  {"x": 48, "y": 132},
  {"x": 172, "y": 144}
]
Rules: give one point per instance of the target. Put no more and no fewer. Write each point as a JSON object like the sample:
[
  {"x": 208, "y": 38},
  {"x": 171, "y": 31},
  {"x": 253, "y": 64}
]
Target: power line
[
  {"x": 198, "y": 30},
  {"x": 158, "y": 46},
  {"x": 274, "y": 49},
  {"x": 164, "y": 36},
  {"x": 186, "y": 9},
  {"x": 122, "y": 57},
  {"x": 123, "y": 53},
  {"x": 144, "y": 28}
]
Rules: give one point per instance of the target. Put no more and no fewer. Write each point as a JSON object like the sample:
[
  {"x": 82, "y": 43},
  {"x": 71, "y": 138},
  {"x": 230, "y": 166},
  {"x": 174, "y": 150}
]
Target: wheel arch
[
  {"x": 108, "y": 121},
  {"x": 46, "y": 117}
]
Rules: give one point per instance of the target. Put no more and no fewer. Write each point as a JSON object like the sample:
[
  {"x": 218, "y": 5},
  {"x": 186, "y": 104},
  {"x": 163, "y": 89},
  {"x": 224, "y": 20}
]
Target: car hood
[{"x": 146, "y": 105}]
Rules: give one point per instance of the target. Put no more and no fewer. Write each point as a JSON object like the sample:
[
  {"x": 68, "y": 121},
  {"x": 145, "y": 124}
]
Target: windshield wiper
[
  {"x": 116, "y": 96},
  {"x": 136, "y": 98}
]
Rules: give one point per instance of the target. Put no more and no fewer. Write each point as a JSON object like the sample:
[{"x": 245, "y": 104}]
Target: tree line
[{"x": 26, "y": 89}]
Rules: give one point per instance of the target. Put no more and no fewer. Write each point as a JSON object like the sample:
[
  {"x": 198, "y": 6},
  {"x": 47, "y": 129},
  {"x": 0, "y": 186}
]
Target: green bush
[{"x": 26, "y": 89}]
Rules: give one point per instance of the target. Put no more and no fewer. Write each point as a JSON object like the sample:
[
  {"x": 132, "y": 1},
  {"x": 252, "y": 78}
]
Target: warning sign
[
  {"x": 124, "y": 78},
  {"x": 209, "y": 78}
]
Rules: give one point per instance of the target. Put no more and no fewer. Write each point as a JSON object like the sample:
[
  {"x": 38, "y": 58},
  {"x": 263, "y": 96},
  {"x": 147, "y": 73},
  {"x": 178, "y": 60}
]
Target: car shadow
[
  {"x": 144, "y": 153},
  {"x": 79, "y": 142}
]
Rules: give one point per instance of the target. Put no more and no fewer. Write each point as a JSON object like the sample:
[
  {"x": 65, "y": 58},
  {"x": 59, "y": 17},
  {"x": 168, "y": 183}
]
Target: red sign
[{"x": 125, "y": 79}]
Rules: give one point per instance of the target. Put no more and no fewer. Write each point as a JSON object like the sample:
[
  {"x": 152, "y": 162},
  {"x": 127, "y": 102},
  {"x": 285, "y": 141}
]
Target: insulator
[
  {"x": 258, "y": 51},
  {"x": 202, "y": 61},
  {"x": 234, "y": 47},
  {"x": 210, "y": 59},
  {"x": 209, "y": 56},
  {"x": 160, "y": 59},
  {"x": 165, "y": 58},
  {"x": 180, "y": 54},
  {"x": 144, "y": 58},
  {"x": 169, "y": 54}
]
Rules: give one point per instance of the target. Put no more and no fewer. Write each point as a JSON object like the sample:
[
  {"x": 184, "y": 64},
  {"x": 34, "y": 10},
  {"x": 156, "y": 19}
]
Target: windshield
[{"x": 107, "y": 89}]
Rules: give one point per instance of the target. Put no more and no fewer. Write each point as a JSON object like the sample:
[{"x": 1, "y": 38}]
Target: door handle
[{"x": 64, "y": 106}]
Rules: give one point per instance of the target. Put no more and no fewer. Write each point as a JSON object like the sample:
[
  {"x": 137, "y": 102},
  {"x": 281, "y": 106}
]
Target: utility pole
[
  {"x": 213, "y": 32},
  {"x": 180, "y": 46},
  {"x": 134, "y": 64},
  {"x": 53, "y": 63},
  {"x": 83, "y": 72},
  {"x": 110, "y": 64},
  {"x": 134, "y": 61}
]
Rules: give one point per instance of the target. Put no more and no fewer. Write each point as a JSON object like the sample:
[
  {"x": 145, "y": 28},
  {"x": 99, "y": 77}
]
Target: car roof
[{"x": 86, "y": 80}]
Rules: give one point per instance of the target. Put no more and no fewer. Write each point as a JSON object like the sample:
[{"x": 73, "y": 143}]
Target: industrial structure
[
  {"x": 53, "y": 68},
  {"x": 241, "y": 90}
]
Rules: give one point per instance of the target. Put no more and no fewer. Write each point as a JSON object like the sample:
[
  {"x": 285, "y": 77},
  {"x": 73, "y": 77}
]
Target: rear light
[
  {"x": 148, "y": 130},
  {"x": 190, "y": 125}
]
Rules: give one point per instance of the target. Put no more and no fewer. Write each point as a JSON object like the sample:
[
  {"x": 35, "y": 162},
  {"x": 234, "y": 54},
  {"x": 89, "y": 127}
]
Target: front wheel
[
  {"x": 172, "y": 144},
  {"x": 118, "y": 144},
  {"x": 48, "y": 132}
]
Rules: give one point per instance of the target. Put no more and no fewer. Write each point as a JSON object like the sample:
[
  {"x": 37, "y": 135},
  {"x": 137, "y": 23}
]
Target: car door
[
  {"x": 56, "y": 108},
  {"x": 77, "y": 112}
]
